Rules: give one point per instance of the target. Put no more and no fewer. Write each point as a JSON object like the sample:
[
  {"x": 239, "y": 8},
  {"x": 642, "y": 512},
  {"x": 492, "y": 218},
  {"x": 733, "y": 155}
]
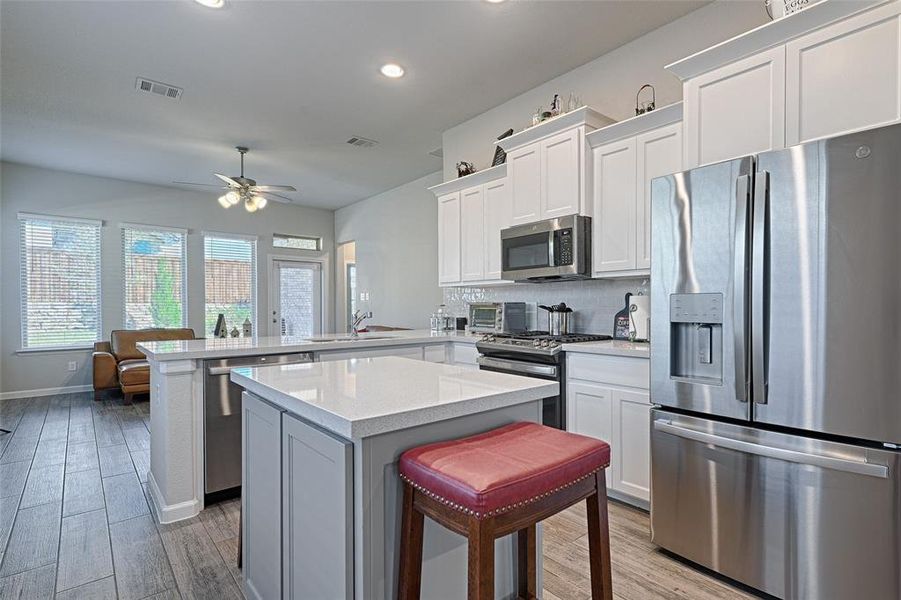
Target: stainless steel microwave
[
  {"x": 497, "y": 317},
  {"x": 547, "y": 250}
]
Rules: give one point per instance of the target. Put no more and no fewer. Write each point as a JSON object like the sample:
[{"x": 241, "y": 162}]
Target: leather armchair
[{"x": 119, "y": 364}]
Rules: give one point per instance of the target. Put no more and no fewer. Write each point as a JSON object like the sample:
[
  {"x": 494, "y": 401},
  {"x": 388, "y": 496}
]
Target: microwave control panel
[{"x": 563, "y": 247}]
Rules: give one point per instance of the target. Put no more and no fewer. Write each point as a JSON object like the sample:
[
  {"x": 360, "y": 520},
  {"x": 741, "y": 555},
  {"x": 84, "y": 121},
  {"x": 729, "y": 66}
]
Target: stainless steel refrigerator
[{"x": 776, "y": 367}]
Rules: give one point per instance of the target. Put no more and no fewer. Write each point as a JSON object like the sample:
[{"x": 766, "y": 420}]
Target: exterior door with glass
[{"x": 295, "y": 298}]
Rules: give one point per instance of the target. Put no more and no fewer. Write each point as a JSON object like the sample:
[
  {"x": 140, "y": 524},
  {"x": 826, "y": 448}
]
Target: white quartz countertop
[
  {"x": 240, "y": 346},
  {"x": 611, "y": 347},
  {"x": 361, "y": 397}
]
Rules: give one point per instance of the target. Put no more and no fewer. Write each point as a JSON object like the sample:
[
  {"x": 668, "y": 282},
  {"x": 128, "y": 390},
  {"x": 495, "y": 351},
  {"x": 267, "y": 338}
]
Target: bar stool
[{"x": 497, "y": 483}]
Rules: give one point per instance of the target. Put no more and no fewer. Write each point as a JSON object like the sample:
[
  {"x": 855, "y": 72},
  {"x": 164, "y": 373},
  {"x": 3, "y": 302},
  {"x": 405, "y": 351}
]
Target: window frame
[
  {"x": 255, "y": 292},
  {"x": 184, "y": 265},
  {"x": 23, "y": 293}
]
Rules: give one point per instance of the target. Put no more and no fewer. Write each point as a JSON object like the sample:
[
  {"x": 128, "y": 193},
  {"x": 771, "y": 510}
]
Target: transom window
[
  {"x": 153, "y": 275},
  {"x": 59, "y": 281},
  {"x": 296, "y": 242}
]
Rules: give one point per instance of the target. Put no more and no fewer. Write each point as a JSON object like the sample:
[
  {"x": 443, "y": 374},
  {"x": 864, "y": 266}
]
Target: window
[
  {"x": 230, "y": 280},
  {"x": 60, "y": 281},
  {"x": 153, "y": 275},
  {"x": 296, "y": 242},
  {"x": 351, "y": 293}
]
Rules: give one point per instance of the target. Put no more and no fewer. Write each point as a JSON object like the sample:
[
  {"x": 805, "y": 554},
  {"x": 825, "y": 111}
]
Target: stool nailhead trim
[{"x": 502, "y": 509}]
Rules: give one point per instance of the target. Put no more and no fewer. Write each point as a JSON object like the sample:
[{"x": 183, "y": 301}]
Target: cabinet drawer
[{"x": 613, "y": 370}]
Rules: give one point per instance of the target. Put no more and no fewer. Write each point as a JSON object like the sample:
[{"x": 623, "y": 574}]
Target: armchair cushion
[{"x": 134, "y": 372}]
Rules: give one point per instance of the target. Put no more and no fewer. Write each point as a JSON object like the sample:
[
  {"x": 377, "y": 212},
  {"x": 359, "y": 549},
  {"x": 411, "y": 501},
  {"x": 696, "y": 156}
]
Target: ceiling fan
[{"x": 244, "y": 189}]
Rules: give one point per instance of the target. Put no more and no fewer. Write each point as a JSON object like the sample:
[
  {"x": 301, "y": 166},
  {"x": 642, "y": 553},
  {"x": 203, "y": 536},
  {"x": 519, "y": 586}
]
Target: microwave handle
[{"x": 550, "y": 249}]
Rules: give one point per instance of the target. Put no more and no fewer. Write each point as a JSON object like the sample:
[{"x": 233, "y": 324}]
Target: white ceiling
[{"x": 291, "y": 80}]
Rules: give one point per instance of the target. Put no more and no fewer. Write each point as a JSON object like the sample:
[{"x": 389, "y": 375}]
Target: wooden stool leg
[
  {"x": 481, "y": 559},
  {"x": 599, "y": 541},
  {"x": 526, "y": 541},
  {"x": 410, "y": 578}
]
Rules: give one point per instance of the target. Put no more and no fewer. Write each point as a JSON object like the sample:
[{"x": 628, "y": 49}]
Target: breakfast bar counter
[{"x": 321, "y": 495}]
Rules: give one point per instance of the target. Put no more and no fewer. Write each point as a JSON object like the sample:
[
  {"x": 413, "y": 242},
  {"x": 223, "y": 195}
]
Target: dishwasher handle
[{"x": 292, "y": 360}]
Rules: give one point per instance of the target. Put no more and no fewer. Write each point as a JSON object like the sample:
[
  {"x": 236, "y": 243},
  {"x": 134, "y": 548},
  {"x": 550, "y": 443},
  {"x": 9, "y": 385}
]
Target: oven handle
[{"x": 517, "y": 366}]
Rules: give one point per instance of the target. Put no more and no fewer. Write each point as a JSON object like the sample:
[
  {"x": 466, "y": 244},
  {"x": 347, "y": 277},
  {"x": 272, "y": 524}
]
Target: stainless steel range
[{"x": 533, "y": 354}]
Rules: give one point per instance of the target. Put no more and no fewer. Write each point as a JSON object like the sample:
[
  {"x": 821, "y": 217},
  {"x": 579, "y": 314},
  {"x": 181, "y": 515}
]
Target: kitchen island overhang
[{"x": 343, "y": 426}]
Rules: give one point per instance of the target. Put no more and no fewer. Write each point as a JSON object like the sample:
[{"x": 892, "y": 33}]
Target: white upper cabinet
[
  {"x": 524, "y": 175},
  {"x": 472, "y": 210},
  {"x": 625, "y": 158},
  {"x": 546, "y": 167},
  {"x": 845, "y": 77},
  {"x": 498, "y": 212},
  {"x": 449, "y": 238},
  {"x": 659, "y": 153},
  {"x": 614, "y": 207},
  {"x": 830, "y": 69},
  {"x": 736, "y": 110},
  {"x": 472, "y": 240},
  {"x": 561, "y": 174}
]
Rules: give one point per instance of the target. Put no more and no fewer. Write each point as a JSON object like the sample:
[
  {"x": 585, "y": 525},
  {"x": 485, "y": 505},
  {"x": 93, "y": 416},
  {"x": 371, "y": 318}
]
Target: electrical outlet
[{"x": 73, "y": 366}]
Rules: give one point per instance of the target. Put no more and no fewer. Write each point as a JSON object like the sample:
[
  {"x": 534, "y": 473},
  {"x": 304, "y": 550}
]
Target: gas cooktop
[{"x": 533, "y": 342}]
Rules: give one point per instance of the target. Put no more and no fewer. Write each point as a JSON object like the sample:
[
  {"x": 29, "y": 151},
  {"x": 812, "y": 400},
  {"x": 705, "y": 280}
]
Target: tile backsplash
[{"x": 595, "y": 301}]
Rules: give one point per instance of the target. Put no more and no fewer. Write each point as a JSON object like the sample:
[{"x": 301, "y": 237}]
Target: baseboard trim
[
  {"x": 172, "y": 512},
  {"x": 45, "y": 392}
]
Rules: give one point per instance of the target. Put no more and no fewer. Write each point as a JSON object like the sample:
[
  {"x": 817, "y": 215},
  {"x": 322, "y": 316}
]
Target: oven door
[{"x": 553, "y": 412}]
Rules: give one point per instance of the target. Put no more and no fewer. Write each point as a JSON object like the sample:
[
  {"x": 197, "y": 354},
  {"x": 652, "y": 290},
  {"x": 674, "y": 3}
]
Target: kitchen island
[
  {"x": 321, "y": 495},
  {"x": 179, "y": 383}
]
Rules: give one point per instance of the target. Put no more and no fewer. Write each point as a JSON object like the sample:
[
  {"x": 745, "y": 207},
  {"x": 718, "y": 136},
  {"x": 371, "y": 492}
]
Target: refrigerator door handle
[
  {"x": 795, "y": 456},
  {"x": 758, "y": 288},
  {"x": 739, "y": 287}
]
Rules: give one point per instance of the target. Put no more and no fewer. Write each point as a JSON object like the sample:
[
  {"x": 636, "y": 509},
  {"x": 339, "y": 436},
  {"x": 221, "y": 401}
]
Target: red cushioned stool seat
[
  {"x": 498, "y": 483},
  {"x": 492, "y": 472}
]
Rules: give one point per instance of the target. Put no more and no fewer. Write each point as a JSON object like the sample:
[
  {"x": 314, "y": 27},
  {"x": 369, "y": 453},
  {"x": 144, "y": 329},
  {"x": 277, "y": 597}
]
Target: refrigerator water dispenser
[{"x": 696, "y": 338}]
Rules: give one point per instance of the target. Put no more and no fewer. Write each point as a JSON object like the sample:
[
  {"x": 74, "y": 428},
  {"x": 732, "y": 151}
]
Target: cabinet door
[
  {"x": 589, "y": 411},
  {"x": 261, "y": 480},
  {"x": 844, "y": 77},
  {"x": 317, "y": 535},
  {"x": 449, "y": 238},
  {"x": 659, "y": 153},
  {"x": 560, "y": 172},
  {"x": 524, "y": 176},
  {"x": 735, "y": 110},
  {"x": 613, "y": 226},
  {"x": 498, "y": 212},
  {"x": 472, "y": 238},
  {"x": 632, "y": 459}
]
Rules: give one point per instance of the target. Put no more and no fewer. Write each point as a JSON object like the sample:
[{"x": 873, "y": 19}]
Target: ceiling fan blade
[
  {"x": 212, "y": 185},
  {"x": 228, "y": 180},
  {"x": 274, "y": 188},
  {"x": 278, "y": 198}
]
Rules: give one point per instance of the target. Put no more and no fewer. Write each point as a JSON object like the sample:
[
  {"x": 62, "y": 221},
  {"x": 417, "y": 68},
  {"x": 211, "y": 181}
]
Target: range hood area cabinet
[
  {"x": 831, "y": 69},
  {"x": 625, "y": 157},
  {"x": 472, "y": 211},
  {"x": 548, "y": 170}
]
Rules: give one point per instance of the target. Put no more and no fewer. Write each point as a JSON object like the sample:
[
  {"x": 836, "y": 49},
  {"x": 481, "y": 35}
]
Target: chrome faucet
[{"x": 358, "y": 319}]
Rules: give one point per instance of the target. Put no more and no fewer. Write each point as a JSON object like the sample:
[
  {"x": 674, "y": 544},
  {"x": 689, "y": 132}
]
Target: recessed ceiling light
[
  {"x": 211, "y": 3},
  {"x": 392, "y": 70}
]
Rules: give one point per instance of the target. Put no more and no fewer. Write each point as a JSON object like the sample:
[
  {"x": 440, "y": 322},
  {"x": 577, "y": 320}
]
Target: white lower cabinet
[{"x": 603, "y": 403}]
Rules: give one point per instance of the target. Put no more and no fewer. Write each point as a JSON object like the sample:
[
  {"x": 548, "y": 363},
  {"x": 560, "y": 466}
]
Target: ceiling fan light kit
[{"x": 244, "y": 189}]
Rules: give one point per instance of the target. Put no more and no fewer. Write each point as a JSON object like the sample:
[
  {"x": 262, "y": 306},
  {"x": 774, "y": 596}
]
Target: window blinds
[
  {"x": 230, "y": 280},
  {"x": 153, "y": 275},
  {"x": 59, "y": 281}
]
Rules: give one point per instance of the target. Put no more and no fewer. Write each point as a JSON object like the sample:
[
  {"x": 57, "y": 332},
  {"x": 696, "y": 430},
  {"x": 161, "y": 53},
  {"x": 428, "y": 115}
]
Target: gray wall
[
  {"x": 32, "y": 189},
  {"x": 608, "y": 83},
  {"x": 396, "y": 235}
]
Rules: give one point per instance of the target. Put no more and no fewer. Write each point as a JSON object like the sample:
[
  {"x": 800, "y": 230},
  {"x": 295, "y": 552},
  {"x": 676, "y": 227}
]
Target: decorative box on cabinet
[
  {"x": 625, "y": 158},
  {"x": 472, "y": 210},
  {"x": 548, "y": 167}
]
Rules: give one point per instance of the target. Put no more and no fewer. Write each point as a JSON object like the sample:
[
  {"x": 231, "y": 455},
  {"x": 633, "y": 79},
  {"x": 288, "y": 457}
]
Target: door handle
[
  {"x": 795, "y": 456},
  {"x": 739, "y": 288},
  {"x": 758, "y": 286}
]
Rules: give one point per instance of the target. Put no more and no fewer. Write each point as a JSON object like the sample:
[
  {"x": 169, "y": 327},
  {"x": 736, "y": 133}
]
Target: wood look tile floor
[{"x": 76, "y": 523}]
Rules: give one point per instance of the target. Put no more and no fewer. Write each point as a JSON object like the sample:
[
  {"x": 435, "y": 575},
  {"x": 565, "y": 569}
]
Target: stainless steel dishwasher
[{"x": 222, "y": 420}]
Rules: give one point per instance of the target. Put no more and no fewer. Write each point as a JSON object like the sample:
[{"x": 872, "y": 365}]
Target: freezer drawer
[{"x": 791, "y": 516}]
